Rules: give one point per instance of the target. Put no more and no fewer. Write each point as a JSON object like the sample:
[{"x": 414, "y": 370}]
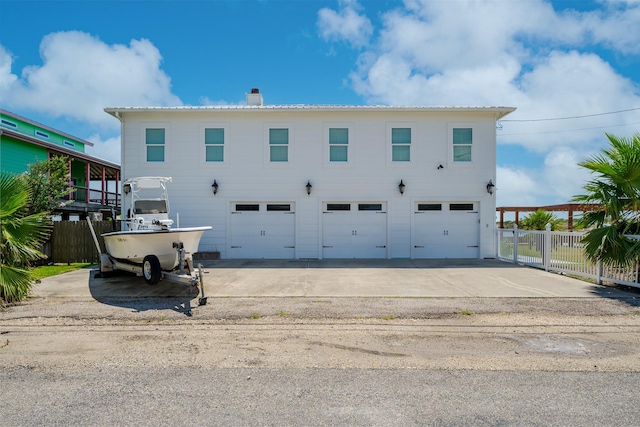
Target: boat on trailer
[{"x": 149, "y": 246}]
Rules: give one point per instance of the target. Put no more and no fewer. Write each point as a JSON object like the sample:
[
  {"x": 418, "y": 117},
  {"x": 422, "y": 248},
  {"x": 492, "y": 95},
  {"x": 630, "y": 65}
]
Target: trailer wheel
[{"x": 151, "y": 269}]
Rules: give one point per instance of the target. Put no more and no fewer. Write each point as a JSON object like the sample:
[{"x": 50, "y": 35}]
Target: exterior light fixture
[
  {"x": 440, "y": 167},
  {"x": 401, "y": 187},
  {"x": 309, "y": 187},
  {"x": 214, "y": 186},
  {"x": 490, "y": 187},
  {"x": 126, "y": 188}
]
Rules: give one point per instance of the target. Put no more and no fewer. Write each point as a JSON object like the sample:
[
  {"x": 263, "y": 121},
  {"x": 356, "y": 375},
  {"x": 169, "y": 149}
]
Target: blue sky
[{"x": 574, "y": 61}]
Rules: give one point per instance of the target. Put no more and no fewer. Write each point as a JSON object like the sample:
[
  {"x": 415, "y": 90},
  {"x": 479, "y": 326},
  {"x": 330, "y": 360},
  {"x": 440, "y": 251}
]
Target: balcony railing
[{"x": 105, "y": 198}]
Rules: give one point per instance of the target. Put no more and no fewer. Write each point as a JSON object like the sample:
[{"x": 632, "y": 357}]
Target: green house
[{"x": 95, "y": 181}]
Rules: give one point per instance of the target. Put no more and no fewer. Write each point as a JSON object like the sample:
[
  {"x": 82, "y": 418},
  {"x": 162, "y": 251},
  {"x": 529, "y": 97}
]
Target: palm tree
[
  {"x": 616, "y": 187},
  {"x": 539, "y": 219},
  {"x": 20, "y": 237}
]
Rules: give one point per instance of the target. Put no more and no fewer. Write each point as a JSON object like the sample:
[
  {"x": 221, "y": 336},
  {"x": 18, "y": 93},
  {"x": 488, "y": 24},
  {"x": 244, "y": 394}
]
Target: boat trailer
[{"x": 150, "y": 268}]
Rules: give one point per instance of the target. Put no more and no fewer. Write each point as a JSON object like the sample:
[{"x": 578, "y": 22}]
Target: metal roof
[
  {"x": 501, "y": 111},
  {"x": 45, "y": 127}
]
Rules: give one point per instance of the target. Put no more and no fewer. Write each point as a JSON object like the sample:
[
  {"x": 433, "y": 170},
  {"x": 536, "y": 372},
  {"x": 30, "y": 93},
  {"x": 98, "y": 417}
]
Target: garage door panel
[
  {"x": 262, "y": 233},
  {"x": 355, "y": 233},
  {"x": 245, "y": 232},
  {"x": 445, "y": 233},
  {"x": 279, "y": 238}
]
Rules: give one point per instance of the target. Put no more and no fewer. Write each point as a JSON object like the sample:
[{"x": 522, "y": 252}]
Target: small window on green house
[
  {"x": 155, "y": 139},
  {"x": 401, "y": 144},
  {"x": 338, "y": 144},
  {"x": 279, "y": 145},
  {"x": 214, "y": 142},
  {"x": 462, "y": 139}
]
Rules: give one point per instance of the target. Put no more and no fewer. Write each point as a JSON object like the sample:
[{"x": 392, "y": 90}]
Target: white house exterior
[{"x": 319, "y": 182}]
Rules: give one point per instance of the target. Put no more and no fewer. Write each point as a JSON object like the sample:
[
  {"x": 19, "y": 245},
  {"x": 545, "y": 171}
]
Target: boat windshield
[{"x": 151, "y": 207}]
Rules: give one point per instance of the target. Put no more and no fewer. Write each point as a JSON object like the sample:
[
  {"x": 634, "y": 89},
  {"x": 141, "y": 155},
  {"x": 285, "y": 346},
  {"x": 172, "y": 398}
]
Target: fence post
[
  {"x": 515, "y": 242},
  {"x": 598, "y": 273},
  {"x": 546, "y": 248}
]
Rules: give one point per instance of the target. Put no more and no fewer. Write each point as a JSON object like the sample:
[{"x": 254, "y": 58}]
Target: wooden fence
[{"x": 71, "y": 241}]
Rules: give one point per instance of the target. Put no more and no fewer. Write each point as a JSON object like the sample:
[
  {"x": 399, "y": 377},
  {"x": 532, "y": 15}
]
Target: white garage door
[
  {"x": 262, "y": 230},
  {"x": 446, "y": 230},
  {"x": 354, "y": 230}
]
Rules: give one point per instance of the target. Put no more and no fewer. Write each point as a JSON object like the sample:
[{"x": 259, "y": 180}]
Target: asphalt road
[{"x": 316, "y": 397}]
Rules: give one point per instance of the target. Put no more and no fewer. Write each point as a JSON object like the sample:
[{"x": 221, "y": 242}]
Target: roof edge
[
  {"x": 499, "y": 110},
  {"x": 45, "y": 127}
]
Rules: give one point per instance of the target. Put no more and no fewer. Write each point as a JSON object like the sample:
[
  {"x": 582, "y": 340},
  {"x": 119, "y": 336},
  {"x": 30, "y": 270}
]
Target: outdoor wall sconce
[
  {"x": 215, "y": 186},
  {"x": 490, "y": 187},
  {"x": 401, "y": 187},
  {"x": 309, "y": 187},
  {"x": 126, "y": 188}
]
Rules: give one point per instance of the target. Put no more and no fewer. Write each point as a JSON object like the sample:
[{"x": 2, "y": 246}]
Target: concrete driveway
[{"x": 339, "y": 278}]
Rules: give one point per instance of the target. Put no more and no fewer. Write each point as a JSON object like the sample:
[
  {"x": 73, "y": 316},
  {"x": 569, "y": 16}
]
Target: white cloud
[
  {"x": 516, "y": 187},
  {"x": 346, "y": 24},
  {"x": 522, "y": 54},
  {"x": 7, "y": 79},
  {"x": 80, "y": 75},
  {"x": 107, "y": 149},
  {"x": 556, "y": 181}
]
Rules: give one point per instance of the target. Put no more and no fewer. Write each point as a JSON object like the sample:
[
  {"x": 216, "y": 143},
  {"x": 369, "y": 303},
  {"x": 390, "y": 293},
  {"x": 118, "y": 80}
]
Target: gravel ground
[{"x": 548, "y": 334}]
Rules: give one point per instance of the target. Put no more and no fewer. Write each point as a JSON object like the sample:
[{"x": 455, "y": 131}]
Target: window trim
[
  {"x": 345, "y": 145},
  {"x": 143, "y": 146},
  {"x": 389, "y": 143},
  {"x": 9, "y": 124},
  {"x": 450, "y": 145},
  {"x": 41, "y": 134},
  {"x": 290, "y": 144},
  {"x": 401, "y": 144},
  {"x": 326, "y": 148},
  {"x": 202, "y": 147}
]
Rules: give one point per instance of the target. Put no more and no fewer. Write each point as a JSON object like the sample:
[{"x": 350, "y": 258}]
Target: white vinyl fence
[{"x": 561, "y": 252}]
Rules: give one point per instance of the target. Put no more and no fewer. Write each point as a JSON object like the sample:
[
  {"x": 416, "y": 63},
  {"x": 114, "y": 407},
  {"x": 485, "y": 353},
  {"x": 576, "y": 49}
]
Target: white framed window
[
  {"x": 338, "y": 144},
  {"x": 214, "y": 144},
  {"x": 278, "y": 144},
  {"x": 155, "y": 138},
  {"x": 401, "y": 144},
  {"x": 462, "y": 141}
]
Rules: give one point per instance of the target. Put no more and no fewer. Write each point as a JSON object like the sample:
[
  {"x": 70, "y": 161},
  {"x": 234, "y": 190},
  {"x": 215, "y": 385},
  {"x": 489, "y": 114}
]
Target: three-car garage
[{"x": 355, "y": 229}]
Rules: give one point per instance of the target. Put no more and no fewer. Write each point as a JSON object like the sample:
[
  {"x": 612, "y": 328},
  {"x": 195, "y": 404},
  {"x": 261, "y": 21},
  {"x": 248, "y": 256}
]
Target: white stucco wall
[{"x": 246, "y": 175}]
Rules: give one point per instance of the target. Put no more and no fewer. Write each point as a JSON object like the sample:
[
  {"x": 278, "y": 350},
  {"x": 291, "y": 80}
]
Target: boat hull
[{"x": 133, "y": 246}]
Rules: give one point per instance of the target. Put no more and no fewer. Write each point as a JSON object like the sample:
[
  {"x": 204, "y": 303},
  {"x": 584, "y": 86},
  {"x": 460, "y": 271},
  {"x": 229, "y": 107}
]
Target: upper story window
[
  {"x": 42, "y": 134},
  {"x": 214, "y": 143},
  {"x": 155, "y": 141},
  {"x": 462, "y": 140},
  {"x": 9, "y": 124},
  {"x": 400, "y": 144},
  {"x": 279, "y": 145},
  {"x": 338, "y": 144}
]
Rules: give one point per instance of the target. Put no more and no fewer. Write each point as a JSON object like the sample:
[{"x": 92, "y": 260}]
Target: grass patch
[
  {"x": 466, "y": 312},
  {"x": 55, "y": 269},
  {"x": 389, "y": 317},
  {"x": 6, "y": 343},
  {"x": 255, "y": 316}
]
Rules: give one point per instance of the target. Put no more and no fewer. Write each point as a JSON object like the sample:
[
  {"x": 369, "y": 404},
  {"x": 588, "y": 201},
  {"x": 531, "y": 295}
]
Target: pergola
[{"x": 566, "y": 207}]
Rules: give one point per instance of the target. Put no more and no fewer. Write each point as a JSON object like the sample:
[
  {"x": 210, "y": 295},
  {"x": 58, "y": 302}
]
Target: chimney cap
[{"x": 255, "y": 90}]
